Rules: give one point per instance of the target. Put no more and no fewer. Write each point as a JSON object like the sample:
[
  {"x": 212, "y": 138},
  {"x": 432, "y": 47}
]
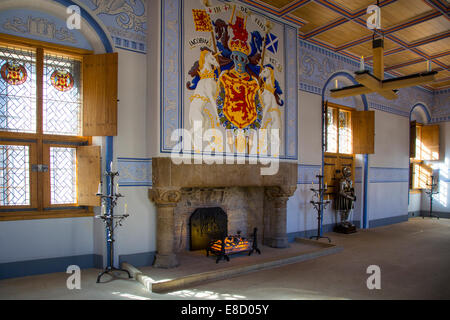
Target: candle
[
  {"x": 113, "y": 166},
  {"x": 126, "y": 209},
  {"x": 103, "y": 209},
  {"x": 117, "y": 188},
  {"x": 99, "y": 191},
  {"x": 326, "y": 186},
  {"x": 361, "y": 64},
  {"x": 337, "y": 84}
]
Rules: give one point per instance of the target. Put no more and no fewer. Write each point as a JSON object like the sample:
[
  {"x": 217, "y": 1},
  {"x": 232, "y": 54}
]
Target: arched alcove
[
  {"x": 359, "y": 103},
  {"x": 92, "y": 29},
  {"x": 420, "y": 113}
]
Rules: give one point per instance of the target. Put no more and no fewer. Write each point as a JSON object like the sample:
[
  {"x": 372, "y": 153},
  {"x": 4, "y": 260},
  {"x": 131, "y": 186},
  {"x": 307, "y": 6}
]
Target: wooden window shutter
[
  {"x": 88, "y": 175},
  {"x": 412, "y": 139},
  {"x": 100, "y": 83},
  {"x": 430, "y": 142},
  {"x": 363, "y": 130}
]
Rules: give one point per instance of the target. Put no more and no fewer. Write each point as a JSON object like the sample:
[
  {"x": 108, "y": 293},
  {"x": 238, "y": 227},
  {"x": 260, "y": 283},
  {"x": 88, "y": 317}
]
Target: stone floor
[
  {"x": 414, "y": 258},
  {"x": 195, "y": 268}
]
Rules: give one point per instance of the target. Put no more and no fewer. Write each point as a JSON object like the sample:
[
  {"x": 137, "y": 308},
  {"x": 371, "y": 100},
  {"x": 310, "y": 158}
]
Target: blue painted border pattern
[
  {"x": 170, "y": 72},
  {"x": 291, "y": 112},
  {"x": 135, "y": 172}
]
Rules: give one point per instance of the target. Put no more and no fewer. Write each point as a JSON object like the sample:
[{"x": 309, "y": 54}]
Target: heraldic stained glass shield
[
  {"x": 62, "y": 96},
  {"x": 17, "y": 90}
]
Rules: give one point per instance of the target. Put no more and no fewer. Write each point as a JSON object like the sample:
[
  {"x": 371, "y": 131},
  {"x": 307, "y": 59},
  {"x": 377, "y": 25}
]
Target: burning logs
[{"x": 231, "y": 245}]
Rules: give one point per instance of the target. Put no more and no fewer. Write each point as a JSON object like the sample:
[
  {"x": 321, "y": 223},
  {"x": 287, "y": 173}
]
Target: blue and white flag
[{"x": 272, "y": 43}]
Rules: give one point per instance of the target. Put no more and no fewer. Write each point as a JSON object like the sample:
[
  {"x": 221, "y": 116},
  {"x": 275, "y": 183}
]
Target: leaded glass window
[
  {"x": 63, "y": 183},
  {"x": 345, "y": 133},
  {"x": 62, "y": 98},
  {"x": 332, "y": 132},
  {"x": 17, "y": 90},
  {"x": 14, "y": 175},
  {"x": 40, "y": 129},
  {"x": 339, "y": 131}
]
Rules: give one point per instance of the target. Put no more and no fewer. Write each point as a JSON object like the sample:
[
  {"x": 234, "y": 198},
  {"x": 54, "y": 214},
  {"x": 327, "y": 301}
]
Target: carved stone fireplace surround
[{"x": 174, "y": 185}]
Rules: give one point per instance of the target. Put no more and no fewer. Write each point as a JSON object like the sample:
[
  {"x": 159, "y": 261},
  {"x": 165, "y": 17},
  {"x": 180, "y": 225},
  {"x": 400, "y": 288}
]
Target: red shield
[{"x": 240, "y": 98}]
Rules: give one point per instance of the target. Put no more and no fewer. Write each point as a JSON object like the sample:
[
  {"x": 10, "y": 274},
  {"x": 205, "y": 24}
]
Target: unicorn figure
[
  {"x": 203, "y": 101},
  {"x": 271, "y": 92}
]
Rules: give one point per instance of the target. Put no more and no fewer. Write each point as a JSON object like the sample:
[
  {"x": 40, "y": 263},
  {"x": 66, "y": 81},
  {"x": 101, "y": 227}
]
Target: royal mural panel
[{"x": 232, "y": 62}]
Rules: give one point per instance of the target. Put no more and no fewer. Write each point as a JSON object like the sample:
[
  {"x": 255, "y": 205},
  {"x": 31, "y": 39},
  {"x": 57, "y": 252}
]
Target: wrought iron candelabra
[
  {"x": 430, "y": 193},
  {"x": 111, "y": 221},
  {"x": 320, "y": 205}
]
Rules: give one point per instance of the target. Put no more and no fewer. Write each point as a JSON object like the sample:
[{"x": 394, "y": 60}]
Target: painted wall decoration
[
  {"x": 440, "y": 111},
  {"x": 134, "y": 172},
  {"x": 318, "y": 64},
  {"x": 40, "y": 26},
  {"x": 126, "y": 21},
  {"x": 232, "y": 63}
]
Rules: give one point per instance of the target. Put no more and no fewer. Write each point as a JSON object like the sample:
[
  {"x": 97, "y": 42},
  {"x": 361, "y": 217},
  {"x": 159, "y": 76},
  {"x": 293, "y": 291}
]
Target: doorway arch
[{"x": 348, "y": 78}]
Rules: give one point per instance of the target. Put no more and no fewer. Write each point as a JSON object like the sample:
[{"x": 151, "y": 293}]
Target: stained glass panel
[
  {"x": 62, "y": 96},
  {"x": 17, "y": 90},
  {"x": 14, "y": 175}
]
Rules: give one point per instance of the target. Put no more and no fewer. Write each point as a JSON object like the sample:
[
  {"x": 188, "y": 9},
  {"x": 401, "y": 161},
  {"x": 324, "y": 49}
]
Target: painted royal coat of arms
[
  {"x": 233, "y": 89},
  {"x": 238, "y": 101}
]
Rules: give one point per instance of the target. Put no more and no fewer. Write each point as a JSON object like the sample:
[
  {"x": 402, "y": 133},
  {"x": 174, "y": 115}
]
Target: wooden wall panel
[
  {"x": 363, "y": 129},
  {"x": 88, "y": 175},
  {"x": 100, "y": 85},
  {"x": 430, "y": 142}
]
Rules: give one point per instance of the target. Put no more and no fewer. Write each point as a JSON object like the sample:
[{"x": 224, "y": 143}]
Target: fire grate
[{"x": 232, "y": 245}]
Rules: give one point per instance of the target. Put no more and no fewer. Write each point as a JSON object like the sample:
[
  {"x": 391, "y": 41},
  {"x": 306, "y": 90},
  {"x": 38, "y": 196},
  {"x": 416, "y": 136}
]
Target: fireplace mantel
[
  {"x": 170, "y": 179},
  {"x": 166, "y": 174}
]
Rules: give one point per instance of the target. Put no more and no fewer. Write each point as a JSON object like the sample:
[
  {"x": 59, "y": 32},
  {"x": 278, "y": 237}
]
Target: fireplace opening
[{"x": 206, "y": 225}]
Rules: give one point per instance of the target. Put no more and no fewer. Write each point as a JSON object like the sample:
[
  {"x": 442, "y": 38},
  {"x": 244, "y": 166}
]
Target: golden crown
[{"x": 239, "y": 45}]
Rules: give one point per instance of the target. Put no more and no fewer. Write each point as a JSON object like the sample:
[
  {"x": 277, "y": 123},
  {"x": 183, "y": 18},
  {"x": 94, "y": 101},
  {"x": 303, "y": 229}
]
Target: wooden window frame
[
  {"x": 40, "y": 207},
  {"x": 337, "y": 159},
  {"x": 431, "y": 141},
  {"x": 338, "y": 107}
]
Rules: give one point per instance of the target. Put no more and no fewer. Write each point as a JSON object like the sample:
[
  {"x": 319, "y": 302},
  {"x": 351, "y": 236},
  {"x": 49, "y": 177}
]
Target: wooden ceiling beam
[
  {"x": 293, "y": 6},
  {"x": 392, "y": 29},
  {"x": 347, "y": 16},
  {"x": 438, "y": 6}
]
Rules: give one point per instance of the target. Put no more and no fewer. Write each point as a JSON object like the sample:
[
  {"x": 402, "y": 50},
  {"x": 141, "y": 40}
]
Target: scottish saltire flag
[{"x": 272, "y": 43}]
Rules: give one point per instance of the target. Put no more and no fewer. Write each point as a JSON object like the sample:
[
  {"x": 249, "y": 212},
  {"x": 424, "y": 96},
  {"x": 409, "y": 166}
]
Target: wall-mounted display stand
[
  {"x": 109, "y": 202},
  {"x": 320, "y": 205}
]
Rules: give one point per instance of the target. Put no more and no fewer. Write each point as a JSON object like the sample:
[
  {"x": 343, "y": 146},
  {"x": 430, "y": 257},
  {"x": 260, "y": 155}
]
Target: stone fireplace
[
  {"x": 205, "y": 225},
  {"x": 248, "y": 199}
]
